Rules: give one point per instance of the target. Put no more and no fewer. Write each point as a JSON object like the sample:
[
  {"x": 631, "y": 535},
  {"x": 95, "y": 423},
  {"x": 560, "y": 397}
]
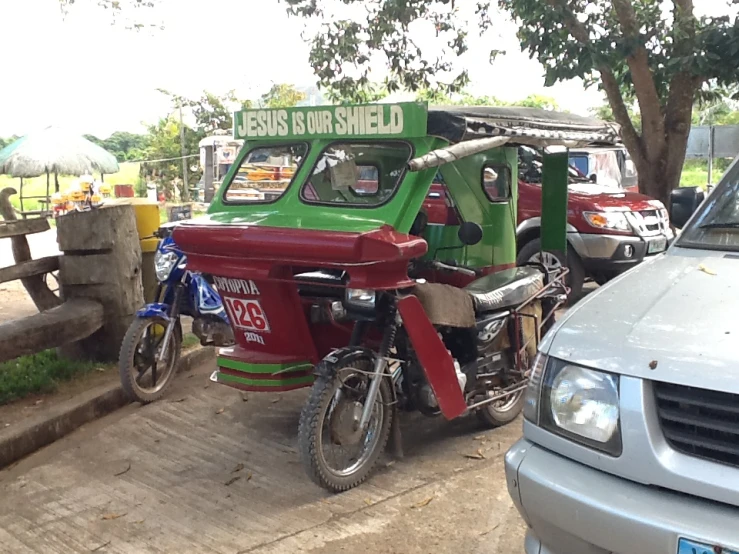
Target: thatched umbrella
[{"x": 54, "y": 151}]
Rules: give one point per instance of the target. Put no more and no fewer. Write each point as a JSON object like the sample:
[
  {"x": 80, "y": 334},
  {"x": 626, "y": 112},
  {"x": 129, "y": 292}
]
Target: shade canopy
[
  {"x": 54, "y": 150},
  {"x": 520, "y": 125}
]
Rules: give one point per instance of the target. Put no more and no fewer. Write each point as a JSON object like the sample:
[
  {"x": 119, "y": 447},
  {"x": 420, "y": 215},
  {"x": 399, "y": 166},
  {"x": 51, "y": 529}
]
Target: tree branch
[
  {"x": 631, "y": 138},
  {"x": 650, "y": 106},
  {"x": 683, "y": 86}
]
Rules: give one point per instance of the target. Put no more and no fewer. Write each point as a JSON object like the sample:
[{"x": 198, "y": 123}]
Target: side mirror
[
  {"x": 594, "y": 178},
  {"x": 683, "y": 203},
  {"x": 470, "y": 233}
]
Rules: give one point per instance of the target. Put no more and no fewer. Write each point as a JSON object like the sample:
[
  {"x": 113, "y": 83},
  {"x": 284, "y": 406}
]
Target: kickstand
[{"x": 397, "y": 437}]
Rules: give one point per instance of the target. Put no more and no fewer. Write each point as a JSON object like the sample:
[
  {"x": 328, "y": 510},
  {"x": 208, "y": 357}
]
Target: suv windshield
[{"x": 716, "y": 225}]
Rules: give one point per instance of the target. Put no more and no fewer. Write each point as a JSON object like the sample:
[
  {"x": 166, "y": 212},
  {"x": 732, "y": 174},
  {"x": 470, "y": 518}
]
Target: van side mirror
[
  {"x": 683, "y": 203},
  {"x": 594, "y": 178},
  {"x": 470, "y": 233}
]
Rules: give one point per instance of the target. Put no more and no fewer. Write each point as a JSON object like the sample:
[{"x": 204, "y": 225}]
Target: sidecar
[{"x": 342, "y": 207}]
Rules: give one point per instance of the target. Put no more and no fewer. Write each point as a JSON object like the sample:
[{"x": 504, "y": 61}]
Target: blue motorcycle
[{"x": 152, "y": 345}]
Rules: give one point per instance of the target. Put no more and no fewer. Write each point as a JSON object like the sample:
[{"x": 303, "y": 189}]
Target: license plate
[
  {"x": 657, "y": 245},
  {"x": 691, "y": 547}
]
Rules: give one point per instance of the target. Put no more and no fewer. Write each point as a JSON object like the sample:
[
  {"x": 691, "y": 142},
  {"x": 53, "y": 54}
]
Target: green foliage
[
  {"x": 383, "y": 30},
  {"x": 210, "y": 111},
  {"x": 39, "y": 373},
  {"x": 118, "y": 8},
  {"x": 656, "y": 53},
  {"x": 124, "y": 146},
  {"x": 165, "y": 145},
  {"x": 436, "y": 97},
  {"x": 605, "y": 112},
  {"x": 282, "y": 96},
  {"x": 190, "y": 341}
]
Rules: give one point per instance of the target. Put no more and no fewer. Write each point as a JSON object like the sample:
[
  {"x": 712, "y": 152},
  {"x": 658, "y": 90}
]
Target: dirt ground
[
  {"x": 14, "y": 301},
  {"x": 208, "y": 469}
]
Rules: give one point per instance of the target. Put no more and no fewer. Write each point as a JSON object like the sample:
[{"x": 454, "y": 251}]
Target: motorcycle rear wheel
[
  {"x": 330, "y": 418},
  {"x": 142, "y": 379},
  {"x": 497, "y": 414}
]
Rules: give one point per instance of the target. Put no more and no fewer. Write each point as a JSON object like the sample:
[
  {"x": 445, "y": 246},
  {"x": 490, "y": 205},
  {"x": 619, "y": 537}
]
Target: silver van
[{"x": 631, "y": 421}]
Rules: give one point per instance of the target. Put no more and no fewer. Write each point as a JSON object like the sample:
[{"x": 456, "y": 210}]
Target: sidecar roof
[{"x": 532, "y": 126}]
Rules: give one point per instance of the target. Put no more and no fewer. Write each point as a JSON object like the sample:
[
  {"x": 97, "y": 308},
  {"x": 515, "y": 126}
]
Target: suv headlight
[
  {"x": 360, "y": 298},
  {"x": 164, "y": 263},
  {"x": 612, "y": 221},
  {"x": 578, "y": 403}
]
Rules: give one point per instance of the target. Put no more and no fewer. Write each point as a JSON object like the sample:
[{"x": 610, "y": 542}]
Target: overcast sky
[{"x": 90, "y": 77}]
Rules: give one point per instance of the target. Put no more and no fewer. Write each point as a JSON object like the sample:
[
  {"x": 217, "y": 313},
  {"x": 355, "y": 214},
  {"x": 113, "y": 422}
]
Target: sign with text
[{"x": 406, "y": 119}]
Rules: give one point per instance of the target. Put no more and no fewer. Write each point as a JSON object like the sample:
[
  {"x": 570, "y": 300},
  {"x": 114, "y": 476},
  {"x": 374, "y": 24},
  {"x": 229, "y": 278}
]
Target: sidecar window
[
  {"x": 496, "y": 182},
  {"x": 265, "y": 174},
  {"x": 363, "y": 174}
]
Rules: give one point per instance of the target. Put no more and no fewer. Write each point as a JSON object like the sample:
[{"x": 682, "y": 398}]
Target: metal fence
[{"x": 711, "y": 142}]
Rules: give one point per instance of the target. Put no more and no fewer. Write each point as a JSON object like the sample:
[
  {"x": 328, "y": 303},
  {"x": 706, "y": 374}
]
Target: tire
[
  {"x": 493, "y": 416},
  {"x": 576, "y": 276},
  {"x": 313, "y": 418},
  {"x": 127, "y": 361}
]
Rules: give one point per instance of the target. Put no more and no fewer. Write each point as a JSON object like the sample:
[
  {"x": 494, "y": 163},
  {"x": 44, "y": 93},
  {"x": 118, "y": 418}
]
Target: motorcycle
[
  {"x": 153, "y": 343},
  {"x": 489, "y": 330}
]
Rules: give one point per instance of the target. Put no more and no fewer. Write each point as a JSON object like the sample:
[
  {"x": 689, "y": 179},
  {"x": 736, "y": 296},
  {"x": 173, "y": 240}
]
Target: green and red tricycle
[{"x": 333, "y": 279}]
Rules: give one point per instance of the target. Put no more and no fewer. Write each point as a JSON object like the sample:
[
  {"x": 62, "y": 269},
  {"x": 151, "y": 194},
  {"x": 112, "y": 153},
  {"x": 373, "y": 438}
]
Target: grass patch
[
  {"x": 128, "y": 175},
  {"x": 37, "y": 374},
  {"x": 190, "y": 341}
]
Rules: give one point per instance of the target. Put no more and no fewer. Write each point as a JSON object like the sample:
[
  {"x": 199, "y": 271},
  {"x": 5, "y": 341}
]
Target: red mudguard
[{"x": 434, "y": 357}]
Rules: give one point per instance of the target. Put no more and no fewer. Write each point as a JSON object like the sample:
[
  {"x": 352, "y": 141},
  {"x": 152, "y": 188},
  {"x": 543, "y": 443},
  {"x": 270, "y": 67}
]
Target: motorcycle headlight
[
  {"x": 575, "y": 402},
  {"x": 360, "y": 298},
  {"x": 612, "y": 221},
  {"x": 164, "y": 263}
]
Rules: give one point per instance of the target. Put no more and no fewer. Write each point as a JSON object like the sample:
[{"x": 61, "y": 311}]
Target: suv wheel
[{"x": 531, "y": 252}]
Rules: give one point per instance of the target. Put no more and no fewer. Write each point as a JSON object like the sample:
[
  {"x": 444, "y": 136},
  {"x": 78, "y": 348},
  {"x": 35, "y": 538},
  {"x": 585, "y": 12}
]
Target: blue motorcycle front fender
[{"x": 156, "y": 309}]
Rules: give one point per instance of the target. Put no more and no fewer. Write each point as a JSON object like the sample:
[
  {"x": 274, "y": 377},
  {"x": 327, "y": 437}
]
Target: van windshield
[{"x": 716, "y": 225}]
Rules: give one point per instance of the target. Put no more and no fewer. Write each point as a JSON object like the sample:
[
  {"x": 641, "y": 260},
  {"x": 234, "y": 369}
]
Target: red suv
[{"x": 609, "y": 229}]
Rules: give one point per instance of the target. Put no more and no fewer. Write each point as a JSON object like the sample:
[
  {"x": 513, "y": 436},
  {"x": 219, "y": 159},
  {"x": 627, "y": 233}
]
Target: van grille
[
  {"x": 648, "y": 223},
  {"x": 700, "y": 422}
]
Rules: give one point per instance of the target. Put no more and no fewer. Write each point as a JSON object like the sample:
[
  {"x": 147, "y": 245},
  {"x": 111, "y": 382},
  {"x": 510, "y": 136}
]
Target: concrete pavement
[{"x": 206, "y": 471}]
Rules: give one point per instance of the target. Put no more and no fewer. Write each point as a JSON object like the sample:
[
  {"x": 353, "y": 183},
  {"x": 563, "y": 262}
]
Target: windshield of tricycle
[{"x": 327, "y": 168}]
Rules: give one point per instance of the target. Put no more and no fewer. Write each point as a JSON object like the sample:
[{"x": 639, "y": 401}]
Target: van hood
[
  {"x": 608, "y": 198},
  {"x": 672, "y": 318}
]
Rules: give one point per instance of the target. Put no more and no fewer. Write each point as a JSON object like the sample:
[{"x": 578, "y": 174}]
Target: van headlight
[
  {"x": 360, "y": 298},
  {"x": 164, "y": 263},
  {"x": 578, "y": 403}
]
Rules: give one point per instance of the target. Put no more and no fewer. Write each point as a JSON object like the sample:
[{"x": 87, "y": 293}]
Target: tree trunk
[
  {"x": 102, "y": 262},
  {"x": 658, "y": 177}
]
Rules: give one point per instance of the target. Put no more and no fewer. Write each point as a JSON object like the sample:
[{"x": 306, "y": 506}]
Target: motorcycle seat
[{"x": 505, "y": 289}]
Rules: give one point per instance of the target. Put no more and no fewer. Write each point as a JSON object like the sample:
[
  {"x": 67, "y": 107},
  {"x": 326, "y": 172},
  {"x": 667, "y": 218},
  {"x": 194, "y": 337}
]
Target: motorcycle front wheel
[
  {"x": 336, "y": 454},
  {"x": 143, "y": 378}
]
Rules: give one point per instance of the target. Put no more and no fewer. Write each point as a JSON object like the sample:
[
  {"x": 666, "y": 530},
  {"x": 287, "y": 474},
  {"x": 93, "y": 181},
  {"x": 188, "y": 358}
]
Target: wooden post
[
  {"x": 208, "y": 175},
  {"x": 102, "y": 262},
  {"x": 185, "y": 194}
]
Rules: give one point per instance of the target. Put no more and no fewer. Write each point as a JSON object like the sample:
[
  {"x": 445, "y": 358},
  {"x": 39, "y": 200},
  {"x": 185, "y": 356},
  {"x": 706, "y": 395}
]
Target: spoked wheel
[
  {"x": 505, "y": 410},
  {"x": 531, "y": 253},
  {"x": 143, "y": 377},
  {"x": 502, "y": 411},
  {"x": 336, "y": 453}
]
